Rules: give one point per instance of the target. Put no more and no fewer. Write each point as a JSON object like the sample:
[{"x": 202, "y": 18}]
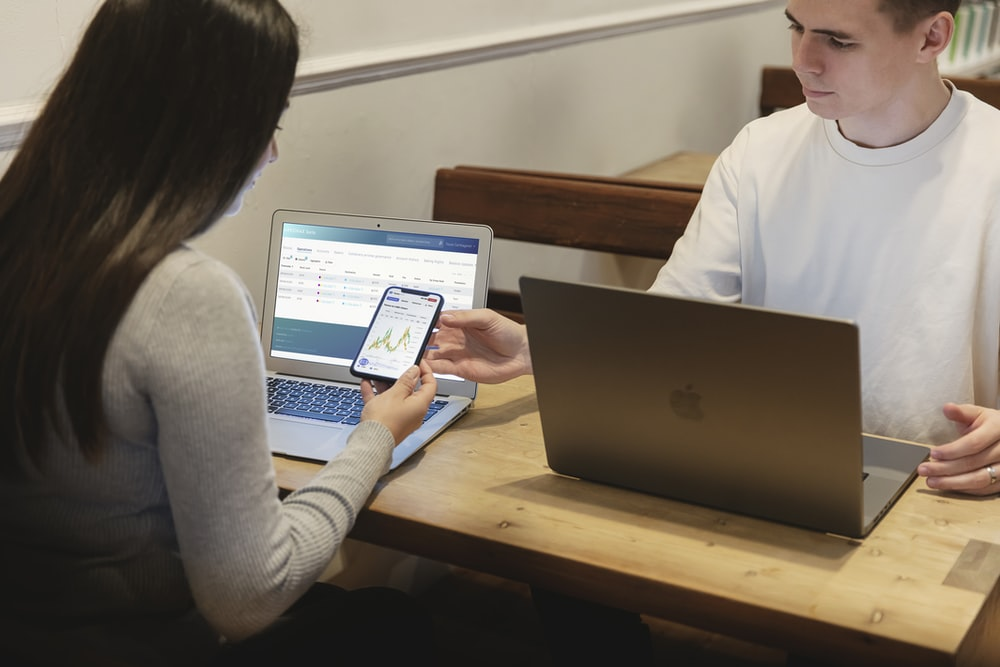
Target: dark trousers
[
  {"x": 336, "y": 626},
  {"x": 349, "y": 627},
  {"x": 579, "y": 632}
]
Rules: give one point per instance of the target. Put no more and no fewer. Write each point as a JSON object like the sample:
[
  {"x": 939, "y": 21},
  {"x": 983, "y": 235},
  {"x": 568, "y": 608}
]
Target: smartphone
[{"x": 398, "y": 333}]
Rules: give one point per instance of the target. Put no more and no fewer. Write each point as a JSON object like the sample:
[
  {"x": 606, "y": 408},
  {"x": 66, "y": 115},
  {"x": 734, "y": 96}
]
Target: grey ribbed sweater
[{"x": 180, "y": 523}]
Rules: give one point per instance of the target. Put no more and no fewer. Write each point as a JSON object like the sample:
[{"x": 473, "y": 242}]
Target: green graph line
[{"x": 385, "y": 341}]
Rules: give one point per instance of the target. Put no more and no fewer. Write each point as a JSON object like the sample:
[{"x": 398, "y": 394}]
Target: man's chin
[{"x": 824, "y": 111}]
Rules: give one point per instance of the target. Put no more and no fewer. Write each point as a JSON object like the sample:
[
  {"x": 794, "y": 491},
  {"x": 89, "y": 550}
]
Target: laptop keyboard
[{"x": 312, "y": 400}]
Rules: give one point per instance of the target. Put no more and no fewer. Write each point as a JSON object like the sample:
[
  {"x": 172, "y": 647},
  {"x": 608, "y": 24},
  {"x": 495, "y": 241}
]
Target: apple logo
[{"x": 686, "y": 403}]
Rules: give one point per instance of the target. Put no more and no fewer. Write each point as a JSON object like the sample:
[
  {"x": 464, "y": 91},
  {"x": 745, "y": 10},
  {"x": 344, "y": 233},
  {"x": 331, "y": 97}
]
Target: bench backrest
[{"x": 622, "y": 216}]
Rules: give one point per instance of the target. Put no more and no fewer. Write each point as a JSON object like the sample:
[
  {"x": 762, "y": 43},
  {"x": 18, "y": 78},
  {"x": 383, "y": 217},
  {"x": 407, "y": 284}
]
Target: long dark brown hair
[{"x": 145, "y": 141}]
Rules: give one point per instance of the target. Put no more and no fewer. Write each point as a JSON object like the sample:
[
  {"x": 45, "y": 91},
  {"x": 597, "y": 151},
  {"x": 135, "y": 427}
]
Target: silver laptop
[
  {"x": 325, "y": 274},
  {"x": 735, "y": 407}
]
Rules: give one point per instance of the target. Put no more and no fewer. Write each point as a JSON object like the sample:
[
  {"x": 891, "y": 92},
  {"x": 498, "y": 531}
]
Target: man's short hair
[{"x": 906, "y": 14}]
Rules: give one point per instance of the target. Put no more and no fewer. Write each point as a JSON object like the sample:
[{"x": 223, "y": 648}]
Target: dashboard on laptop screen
[{"x": 330, "y": 280}]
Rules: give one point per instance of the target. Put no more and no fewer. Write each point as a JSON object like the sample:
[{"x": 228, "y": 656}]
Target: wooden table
[{"x": 920, "y": 590}]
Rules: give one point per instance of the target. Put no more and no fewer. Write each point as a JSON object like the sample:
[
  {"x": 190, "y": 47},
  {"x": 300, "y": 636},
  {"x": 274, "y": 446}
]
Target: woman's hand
[{"x": 401, "y": 407}]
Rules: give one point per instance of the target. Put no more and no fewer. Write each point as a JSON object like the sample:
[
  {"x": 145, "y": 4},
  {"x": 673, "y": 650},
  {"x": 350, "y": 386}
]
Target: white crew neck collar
[{"x": 943, "y": 125}]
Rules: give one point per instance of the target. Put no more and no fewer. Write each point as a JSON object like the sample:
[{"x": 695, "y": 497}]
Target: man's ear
[{"x": 937, "y": 32}]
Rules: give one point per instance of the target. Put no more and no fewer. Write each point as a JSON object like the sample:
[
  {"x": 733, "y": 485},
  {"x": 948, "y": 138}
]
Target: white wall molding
[
  {"x": 14, "y": 122},
  {"x": 328, "y": 73},
  {"x": 332, "y": 72}
]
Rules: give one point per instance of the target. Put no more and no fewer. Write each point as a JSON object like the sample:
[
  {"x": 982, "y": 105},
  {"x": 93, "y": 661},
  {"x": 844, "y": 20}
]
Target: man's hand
[
  {"x": 970, "y": 463},
  {"x": 479, "y": 345}
]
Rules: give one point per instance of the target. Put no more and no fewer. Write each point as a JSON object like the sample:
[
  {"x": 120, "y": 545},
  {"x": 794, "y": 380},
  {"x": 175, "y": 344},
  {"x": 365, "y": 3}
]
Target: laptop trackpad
[{"x": 318, "y": 442}]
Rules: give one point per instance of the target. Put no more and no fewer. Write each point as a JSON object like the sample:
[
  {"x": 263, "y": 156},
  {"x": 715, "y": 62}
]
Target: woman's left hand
[{"x": 401, "y": 407}]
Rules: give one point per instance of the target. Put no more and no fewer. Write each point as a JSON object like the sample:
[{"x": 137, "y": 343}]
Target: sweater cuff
[{"x": 378, "y": 438}]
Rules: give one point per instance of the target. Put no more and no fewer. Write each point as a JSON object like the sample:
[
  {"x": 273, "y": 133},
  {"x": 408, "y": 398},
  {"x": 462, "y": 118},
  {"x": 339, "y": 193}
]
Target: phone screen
[{"x": 398, "y": 333}]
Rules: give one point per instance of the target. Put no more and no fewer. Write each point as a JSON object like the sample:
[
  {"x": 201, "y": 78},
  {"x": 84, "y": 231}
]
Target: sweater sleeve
[{"x": 247, "y": 556}]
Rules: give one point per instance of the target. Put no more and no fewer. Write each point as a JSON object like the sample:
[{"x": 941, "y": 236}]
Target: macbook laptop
[
  {"x": 325, "y": 275},
  {"x": 735, "y": 407}
]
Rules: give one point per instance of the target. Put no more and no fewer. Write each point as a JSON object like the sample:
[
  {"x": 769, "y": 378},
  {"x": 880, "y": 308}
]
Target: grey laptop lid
[
  {"x": 325, "y": 274},
  {"x": 740, "y": 408}
]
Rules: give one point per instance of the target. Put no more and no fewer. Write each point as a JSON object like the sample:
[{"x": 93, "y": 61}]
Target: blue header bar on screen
[{"x": 292, "y": 230}]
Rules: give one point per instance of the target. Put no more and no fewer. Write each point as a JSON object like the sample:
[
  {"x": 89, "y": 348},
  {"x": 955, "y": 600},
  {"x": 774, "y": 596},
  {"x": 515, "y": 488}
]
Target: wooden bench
[{"x": 617, "y": 215}]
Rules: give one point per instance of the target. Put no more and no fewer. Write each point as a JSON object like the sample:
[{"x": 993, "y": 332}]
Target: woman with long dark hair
[{"x": 140, "y": 517}]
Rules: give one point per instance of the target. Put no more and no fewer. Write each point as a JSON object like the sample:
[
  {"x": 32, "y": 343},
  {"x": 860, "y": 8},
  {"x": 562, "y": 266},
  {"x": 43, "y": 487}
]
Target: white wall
[
  {"x": 601, "y": 108},
  {"x": 598, "y": 107}
]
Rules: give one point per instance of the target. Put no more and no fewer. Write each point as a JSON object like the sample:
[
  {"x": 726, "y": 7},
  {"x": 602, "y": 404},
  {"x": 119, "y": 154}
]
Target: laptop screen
[
  {"x": 327, "y": 272},
  {"x": 330, "y": 280}
]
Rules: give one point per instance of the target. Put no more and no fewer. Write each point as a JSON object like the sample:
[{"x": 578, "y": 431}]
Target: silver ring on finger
[{"x": 993, "y": 474}]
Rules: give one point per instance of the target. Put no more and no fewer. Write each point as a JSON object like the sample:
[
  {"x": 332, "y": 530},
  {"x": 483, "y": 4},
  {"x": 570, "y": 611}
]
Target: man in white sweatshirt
[{"x": 875, "y": 201}]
